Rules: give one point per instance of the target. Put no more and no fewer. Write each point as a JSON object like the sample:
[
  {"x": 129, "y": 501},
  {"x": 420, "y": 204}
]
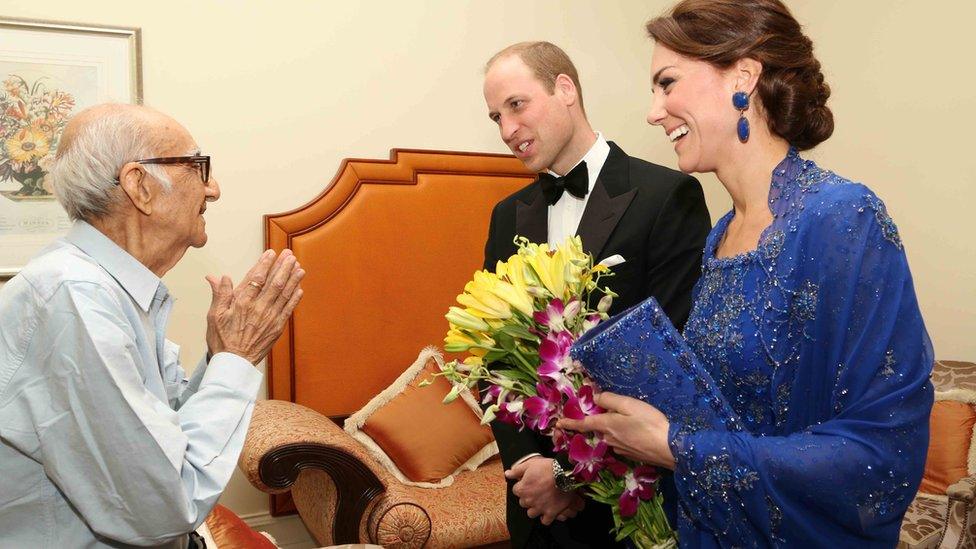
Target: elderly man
[{"x": 103, "y": 441}]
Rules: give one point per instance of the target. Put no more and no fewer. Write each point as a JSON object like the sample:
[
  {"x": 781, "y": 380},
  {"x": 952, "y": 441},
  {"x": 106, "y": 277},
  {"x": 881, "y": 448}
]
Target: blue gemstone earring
[{"x": 740, "y": 100}]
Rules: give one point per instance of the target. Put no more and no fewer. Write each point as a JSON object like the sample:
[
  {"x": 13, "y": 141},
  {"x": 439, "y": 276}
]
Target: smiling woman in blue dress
[{"x": 805, "y": 315}]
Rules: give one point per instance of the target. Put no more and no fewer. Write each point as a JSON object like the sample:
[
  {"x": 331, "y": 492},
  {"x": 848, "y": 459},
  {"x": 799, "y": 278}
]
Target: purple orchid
[
  {"x": 588, "y": 459},
  {"x": 511, "y": 412},
  {"x": 556, "y": 363},
  {"x": 638, "y": 485},
  {"x": 580, "y": 404},
  {"x": 492, "y": 394},
  {"x": 553, "y": 317},
  {"x": 560, "y": 440},
  {"x": 542, "y": 409},
  {"x": 590, "y": 322}
]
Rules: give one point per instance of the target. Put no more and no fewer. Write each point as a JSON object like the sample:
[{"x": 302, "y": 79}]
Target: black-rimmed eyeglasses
[{"x": 202, "y": 162}]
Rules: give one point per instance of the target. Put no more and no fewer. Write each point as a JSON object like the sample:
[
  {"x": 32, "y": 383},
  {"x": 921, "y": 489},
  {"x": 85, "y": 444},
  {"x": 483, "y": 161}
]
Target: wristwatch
[{"x": 564, "y": 479}]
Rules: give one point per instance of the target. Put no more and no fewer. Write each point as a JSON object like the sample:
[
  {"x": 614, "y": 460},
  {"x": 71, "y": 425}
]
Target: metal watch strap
[{"x": 563, "y": 479}]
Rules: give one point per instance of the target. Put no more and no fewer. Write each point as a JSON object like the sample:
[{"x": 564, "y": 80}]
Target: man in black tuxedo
[{"x": 653, "y": 217}]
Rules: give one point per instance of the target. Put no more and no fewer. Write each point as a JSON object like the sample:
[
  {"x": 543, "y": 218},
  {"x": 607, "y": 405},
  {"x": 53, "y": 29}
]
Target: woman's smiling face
[{"x": 692, "y": 102}]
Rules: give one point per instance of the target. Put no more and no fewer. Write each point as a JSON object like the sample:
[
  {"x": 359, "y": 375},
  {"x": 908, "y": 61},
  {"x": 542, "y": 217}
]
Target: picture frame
[{"x": 50, "y": 70}]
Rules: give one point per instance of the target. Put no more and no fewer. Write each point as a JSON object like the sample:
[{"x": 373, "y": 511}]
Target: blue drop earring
[{"x": 740, "y": 100}]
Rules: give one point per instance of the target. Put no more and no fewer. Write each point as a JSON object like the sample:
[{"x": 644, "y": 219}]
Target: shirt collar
[
  {"x": 134, "y": 277},
  {"x": 595, "y": 158}
]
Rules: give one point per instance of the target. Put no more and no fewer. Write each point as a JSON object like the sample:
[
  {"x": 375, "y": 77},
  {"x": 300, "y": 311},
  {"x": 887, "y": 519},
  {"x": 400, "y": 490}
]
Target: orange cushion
[
  {"x": 228, "y": 530},
  {"x": 426, "y": 440},
  {"x": 951, "y": 432}
]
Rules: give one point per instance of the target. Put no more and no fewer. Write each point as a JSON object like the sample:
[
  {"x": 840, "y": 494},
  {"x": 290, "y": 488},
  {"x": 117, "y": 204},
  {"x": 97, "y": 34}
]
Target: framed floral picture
[{"x": 48, "y": 72}]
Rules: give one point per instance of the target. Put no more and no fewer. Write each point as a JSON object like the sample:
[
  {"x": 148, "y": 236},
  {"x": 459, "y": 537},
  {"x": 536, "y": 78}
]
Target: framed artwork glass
[{"x": 49, "y": 71}]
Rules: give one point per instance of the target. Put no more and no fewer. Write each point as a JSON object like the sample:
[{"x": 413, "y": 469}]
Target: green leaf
[
  {"x": 517, "y": 374},
  {"x": 520, "y": 332}
]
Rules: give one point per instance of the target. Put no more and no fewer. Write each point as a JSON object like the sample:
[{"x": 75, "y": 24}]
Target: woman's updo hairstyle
[{"x": 791, "y": 87}]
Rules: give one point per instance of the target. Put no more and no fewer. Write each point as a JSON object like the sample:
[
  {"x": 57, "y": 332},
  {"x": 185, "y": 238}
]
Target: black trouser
[{"x": 196, "y": 541}]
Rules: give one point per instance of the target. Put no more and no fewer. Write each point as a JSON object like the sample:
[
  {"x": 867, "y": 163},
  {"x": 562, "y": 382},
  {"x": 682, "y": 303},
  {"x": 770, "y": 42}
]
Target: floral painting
[
  {"x": 32, "y": 117},
  {"x": 48, "y": 73}
]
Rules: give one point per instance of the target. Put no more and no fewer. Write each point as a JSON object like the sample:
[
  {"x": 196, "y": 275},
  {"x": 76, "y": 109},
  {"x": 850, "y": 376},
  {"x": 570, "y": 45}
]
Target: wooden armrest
[
  {"x": 964, "y": 490},
  {"x": 284, "y": 439}
]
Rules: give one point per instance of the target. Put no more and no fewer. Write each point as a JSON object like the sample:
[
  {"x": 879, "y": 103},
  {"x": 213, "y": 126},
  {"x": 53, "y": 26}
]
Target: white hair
[{"x": 85, "y": 171}]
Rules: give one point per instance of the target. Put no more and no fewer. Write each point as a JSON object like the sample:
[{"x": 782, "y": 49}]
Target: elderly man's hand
[
  {"x": 248, "y": 319},
  {"x": 538, "y": 494},
  {"x": 632, "y": 427}
]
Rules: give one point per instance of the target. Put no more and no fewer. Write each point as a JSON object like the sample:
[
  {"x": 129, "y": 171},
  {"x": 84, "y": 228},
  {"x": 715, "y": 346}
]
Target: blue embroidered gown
[{"x": 816, "y": 341}]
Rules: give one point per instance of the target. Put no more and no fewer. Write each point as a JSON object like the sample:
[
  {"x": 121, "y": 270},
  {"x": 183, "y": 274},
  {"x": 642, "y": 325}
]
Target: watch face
[{"x": 565, "y": 482}]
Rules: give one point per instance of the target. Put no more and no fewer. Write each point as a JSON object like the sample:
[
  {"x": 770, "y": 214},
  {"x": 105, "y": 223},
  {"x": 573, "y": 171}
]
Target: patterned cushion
[
  {"x": 396, "y": 427},
  {"x": 952, "y": 443},
  {"x": 950, "y": 440},
  {"x": 922, "y": 525}
]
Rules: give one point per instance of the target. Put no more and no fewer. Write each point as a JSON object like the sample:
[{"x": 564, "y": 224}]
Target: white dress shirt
[
  {"x": 103, "y": 440},
  {"x": 565, "y": 214}
]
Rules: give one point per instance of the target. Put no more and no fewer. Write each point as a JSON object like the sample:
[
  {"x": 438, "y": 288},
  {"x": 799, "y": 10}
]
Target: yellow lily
[{"x": 464, "y": 319}]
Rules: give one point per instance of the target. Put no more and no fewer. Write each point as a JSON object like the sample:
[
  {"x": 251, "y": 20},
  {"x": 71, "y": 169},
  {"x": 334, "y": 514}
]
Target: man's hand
[
  {"x": 537, "y": 492},
  {"x": 248, "y": 319}
]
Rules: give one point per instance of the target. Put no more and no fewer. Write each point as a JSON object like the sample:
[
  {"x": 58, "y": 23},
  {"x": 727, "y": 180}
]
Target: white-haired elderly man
[{"x": 103, "y": 441}]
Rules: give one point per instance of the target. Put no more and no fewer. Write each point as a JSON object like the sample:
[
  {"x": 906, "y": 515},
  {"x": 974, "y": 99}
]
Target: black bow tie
[{"x": 577, "y": 182}]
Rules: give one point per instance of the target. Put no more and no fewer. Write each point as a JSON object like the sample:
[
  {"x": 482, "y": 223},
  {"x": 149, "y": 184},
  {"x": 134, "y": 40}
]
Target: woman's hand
[{"x": 633, "y": 428}]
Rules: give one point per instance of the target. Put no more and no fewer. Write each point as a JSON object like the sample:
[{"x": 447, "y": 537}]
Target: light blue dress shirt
[{"x": 103, "y": 440}]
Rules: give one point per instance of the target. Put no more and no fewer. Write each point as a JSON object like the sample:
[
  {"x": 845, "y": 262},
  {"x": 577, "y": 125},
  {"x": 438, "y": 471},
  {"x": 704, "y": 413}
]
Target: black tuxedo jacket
[{"x": 656, "y": 219}]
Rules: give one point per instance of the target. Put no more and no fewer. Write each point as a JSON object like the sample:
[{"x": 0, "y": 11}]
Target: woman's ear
[{"x": 746, "y": 74}]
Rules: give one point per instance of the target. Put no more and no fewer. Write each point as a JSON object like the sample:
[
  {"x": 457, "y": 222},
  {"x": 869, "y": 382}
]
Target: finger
[
  {"x": 547, "y": 518},
  {"x": 578, "y": 505},
  {"x": 222, "y": 291},
  {"x": 255, "y": 278},
  {"x": 567, "y": 424},
  {"x": 561, "y": 517},
  {"x": 533, "y": 512},
  {"x": 292, "y": 303},
  {"x": 516, "y": 471},
  {"x": 278, "y": 277},
  {"x": 610, "y": 402},
  {"x": 297, "y": 274}
]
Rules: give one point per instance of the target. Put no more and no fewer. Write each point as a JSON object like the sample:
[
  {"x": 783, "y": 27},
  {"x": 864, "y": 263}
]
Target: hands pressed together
[
  {"x": 537, "y": 492},
  {"x": 247, "y": 319}
]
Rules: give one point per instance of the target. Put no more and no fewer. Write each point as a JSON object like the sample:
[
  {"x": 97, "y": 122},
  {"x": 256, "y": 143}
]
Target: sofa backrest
[{"x": 386, "y": 248}]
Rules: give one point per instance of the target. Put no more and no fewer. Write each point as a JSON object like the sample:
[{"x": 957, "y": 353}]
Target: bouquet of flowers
[
  {"x": 517, "y": 325},
  {"x": 32, "y": 118}
]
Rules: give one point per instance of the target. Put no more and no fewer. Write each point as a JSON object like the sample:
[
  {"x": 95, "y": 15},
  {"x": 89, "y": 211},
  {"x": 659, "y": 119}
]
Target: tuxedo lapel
[
  {"x": 609, "y": 200},
  {"x": 532, "y": 217}
]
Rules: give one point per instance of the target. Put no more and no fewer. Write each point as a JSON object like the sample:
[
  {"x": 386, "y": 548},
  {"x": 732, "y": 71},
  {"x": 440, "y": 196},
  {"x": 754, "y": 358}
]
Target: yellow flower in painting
[
  {"x": 62, "y": 103},
  {"x": 43, "y": 126},
  {"x": 13, "y": 87},
  {"x": 27, "y": 145}
]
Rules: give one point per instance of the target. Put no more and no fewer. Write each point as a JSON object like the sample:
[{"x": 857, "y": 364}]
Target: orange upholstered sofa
[{"x": 387, "y": 247}]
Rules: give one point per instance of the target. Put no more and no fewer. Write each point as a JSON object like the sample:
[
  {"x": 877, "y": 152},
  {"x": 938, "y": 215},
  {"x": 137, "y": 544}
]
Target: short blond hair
[{"x": 546, "y": 60}]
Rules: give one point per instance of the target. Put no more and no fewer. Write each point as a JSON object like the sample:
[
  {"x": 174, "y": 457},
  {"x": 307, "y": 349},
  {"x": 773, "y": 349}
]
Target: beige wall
[{"x": 279, "y": 92}]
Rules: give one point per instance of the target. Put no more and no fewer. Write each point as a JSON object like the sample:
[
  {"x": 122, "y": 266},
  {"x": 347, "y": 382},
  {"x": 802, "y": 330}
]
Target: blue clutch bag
[{"x": 640, "y": 354}]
